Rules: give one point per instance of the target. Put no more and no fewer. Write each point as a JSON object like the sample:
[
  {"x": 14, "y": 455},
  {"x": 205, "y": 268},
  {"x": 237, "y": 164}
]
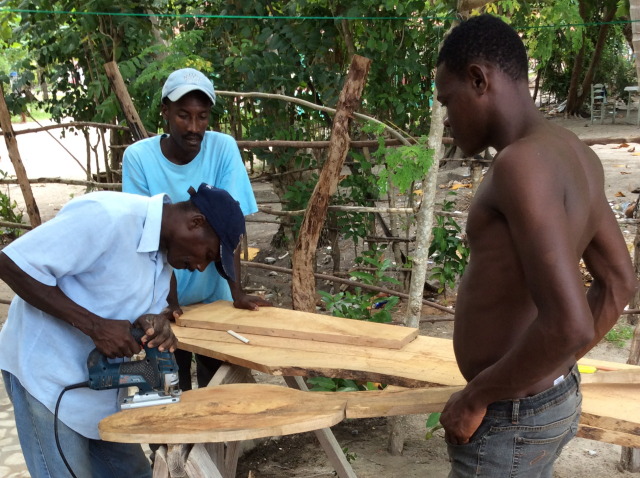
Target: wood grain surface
[
  {"x": 226, "y": 413},
  {"x": 244, "y": 411},
  {"x": 426, "y": 361},
  {"x": 285, "y": 323}
]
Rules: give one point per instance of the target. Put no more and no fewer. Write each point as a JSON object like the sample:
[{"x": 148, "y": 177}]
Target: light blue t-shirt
[
  {"x": 102, "y": 251},
  {"x": 146, "y": 171}
]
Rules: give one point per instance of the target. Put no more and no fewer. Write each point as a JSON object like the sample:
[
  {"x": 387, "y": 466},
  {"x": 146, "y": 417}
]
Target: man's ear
[
  {"x": 196, "y": 220},
  {"x": 479, "y": 78},
  {"x": 164, "y": 110}
]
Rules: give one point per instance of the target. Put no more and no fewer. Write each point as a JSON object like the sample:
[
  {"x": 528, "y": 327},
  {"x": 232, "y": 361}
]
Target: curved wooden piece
[{"x": 226, "y": 413}]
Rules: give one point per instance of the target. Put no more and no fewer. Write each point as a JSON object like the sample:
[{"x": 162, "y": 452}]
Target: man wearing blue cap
[
  {"x": 83, "y": 279},
  {"x": 169, "y": 163}
]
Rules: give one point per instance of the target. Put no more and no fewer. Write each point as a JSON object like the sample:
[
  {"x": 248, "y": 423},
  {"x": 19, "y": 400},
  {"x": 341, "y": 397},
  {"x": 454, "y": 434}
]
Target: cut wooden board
[
  {"x": 615, "y": 376},
  {"x": 611, "y": 407},
  {"x": 244, "y": 411},
  {"x": 285, "y": 323},
  {"x": 397, "y": 401},
  {"x": 226, "y": 413},
  {"x": 424, "y": 362}
]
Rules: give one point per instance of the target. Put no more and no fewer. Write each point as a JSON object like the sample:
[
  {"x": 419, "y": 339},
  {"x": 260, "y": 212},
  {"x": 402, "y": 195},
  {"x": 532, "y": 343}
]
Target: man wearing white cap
[{"x": 170, "y": 163}]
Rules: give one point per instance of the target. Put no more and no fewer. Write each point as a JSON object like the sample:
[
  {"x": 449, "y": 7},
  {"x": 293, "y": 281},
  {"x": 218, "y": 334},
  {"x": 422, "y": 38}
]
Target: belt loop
[
  {"x": 576, "y": 374},
  {"x": 515, "y": 411}
]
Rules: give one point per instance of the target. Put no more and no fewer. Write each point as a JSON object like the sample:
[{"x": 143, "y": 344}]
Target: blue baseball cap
[
  {"x": 224, "y": 215},
  {"x": 183, "y": 81}
]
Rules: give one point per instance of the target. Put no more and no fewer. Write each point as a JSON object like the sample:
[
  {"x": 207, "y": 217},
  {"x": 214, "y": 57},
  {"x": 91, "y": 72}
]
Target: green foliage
[
  {"x": 359, "y": 305},
  {"x": 362, "y": 305},
  {"x": 432, "y": 425},
  {"x": 324, "y": 384},
  {"x": 403, "y": 165},
  {"x": 447, "y": 250},
  {"x": 350, "y": 456},
  {"x": 9, "y": 212},
  {"x": 619, "y": 335},
  {"x": 553, "y": 50}
]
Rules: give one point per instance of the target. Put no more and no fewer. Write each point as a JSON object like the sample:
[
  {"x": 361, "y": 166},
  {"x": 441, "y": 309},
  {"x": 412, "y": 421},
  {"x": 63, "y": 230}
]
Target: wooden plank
[
  {"x": 242, "y": 411},
  {"x": 327, "y": 439},
  {"x": 429, "y": 361},
  {"x": 617, "y": 376},
  {"x": 605, "y": 366},
  {"x": 285, "y": 323},
  {"x": 611, "y": 406},
  {"x": 225, "y": 413},
  {"x": 608, "y": 436},
  {"x": 200, "y": 465},
  {"x": 160, "y": 467},
  {"x": 388, "y": 403}
]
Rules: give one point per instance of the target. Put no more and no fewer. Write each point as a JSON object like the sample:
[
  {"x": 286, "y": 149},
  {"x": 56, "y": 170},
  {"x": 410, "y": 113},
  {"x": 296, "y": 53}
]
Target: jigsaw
[{"x": 155, "y": 376}]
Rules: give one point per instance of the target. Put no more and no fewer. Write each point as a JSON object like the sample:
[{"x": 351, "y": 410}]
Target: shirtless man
[{"x": 522, "y": 316}]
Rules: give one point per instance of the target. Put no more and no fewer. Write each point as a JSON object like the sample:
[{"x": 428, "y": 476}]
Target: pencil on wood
[{"x": 238, "y": 336}]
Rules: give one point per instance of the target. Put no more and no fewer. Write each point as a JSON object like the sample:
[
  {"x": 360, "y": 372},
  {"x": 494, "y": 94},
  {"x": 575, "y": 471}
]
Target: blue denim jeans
[
  {"x": 88, "y": 458},
  {"x": 521, "y": 438}
]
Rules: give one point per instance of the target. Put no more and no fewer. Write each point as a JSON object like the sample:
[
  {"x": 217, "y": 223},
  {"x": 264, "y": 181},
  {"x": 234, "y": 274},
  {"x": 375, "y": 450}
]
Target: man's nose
[{"x": 193, "y": 125}]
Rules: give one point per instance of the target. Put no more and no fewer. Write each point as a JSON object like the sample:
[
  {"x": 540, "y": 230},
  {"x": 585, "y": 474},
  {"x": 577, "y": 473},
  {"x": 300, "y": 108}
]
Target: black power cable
[{"x": 55, "y": 422}]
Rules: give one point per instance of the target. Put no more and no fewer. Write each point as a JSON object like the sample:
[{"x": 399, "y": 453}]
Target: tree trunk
[
  {"x": 607, "y": 17},
  {"x": 303, "y": 281},
  {"x": 572, "y": 94}
]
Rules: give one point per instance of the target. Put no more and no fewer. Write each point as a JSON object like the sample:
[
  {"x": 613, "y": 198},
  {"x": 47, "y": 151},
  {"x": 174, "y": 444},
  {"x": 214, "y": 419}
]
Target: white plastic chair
[{"x": 601, "y": 106}]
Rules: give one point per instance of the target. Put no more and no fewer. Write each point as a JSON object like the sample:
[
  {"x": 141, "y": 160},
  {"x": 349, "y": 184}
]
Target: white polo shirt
[{"x": 101, "y": 250}]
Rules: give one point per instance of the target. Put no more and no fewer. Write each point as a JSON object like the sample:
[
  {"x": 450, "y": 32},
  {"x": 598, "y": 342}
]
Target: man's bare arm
[
  {"x": 240, "y": 299},
  {"x": 111, "y": 337},
  {"x": 614, "y": 281}
]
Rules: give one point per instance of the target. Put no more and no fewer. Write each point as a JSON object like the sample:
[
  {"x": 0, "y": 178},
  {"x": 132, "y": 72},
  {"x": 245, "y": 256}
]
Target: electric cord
[{"x": 55, "y": 422}]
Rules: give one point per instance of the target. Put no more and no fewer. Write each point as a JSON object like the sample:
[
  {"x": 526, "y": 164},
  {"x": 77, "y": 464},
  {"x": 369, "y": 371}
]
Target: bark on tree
[
  {"x": 607, "y": 17},
  {"x": 138, "y": 130},
  {"x": 424, "y": 218},
  {"x": 303, "y": 282},
  {"x": 16, "y": 160}
]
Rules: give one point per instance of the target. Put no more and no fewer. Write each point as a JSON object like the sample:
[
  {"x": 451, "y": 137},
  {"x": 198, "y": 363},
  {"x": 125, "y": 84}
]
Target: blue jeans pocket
[{"x": 534, "y": 448}]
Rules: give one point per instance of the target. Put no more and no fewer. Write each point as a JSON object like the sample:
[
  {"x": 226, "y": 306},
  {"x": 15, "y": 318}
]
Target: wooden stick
[
  {"x": 303, "y": 283},
  {"x": 18, "y": 166}
]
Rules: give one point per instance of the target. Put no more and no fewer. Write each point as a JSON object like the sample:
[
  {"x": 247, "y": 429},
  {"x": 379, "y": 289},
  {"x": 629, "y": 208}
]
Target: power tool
[{"x": 156, "y": 376}]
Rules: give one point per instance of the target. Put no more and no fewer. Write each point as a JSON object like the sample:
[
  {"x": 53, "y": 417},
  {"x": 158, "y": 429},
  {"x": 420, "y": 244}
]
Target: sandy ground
[{"x": 364, "y": 440}]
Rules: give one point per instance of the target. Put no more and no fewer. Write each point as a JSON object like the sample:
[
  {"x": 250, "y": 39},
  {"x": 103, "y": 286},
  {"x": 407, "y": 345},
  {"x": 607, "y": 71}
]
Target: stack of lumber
[{"x": 290, "y": 343}]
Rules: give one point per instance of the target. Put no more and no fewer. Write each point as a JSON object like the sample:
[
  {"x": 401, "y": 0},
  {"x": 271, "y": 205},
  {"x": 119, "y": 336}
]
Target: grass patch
[
  {"x": 38, "y": 114},
  {"x": 619, "y": 335}
]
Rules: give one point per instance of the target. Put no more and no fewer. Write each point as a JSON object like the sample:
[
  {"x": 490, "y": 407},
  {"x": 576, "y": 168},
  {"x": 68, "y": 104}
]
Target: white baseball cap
[{"x": 183, "y": 81}]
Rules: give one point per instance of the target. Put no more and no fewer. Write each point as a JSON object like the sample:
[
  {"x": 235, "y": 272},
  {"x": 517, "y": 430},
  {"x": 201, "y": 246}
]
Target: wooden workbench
[{"x": 285, "y": 342}]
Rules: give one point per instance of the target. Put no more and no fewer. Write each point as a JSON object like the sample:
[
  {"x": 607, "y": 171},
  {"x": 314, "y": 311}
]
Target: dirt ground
[{"x": 365, "y": 441}]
